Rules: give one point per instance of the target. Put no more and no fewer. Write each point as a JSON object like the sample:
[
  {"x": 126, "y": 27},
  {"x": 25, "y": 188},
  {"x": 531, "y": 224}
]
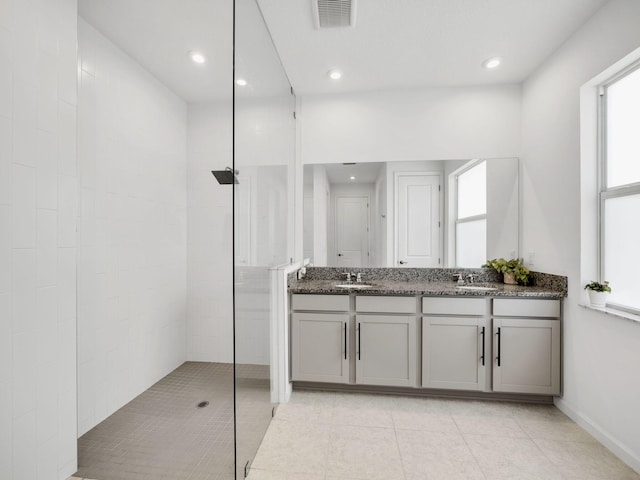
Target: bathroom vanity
[{"x": 421, "y": 330}]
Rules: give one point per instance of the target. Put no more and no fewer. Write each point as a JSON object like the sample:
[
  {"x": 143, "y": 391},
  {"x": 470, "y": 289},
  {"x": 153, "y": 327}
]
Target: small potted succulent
[
  {"x": 598, "y": 293},
  {"x": 514, "y": 272}
]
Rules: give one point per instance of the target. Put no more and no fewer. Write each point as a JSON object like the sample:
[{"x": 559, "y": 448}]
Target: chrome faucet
[
  {"x": 470, "y": 278},
  {"x": 459, "y": 278},
  {"x": 349, "y": 276}
]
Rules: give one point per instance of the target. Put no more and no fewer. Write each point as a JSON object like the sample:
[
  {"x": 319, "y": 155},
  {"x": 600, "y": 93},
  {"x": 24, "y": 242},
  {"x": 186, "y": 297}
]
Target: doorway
[
  {"x": 351, "y": 227},
  {"x": 418, "y": 213}
]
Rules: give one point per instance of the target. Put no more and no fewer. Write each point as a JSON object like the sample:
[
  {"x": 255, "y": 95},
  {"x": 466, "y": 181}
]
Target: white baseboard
[{"x": 618, "y": 449}]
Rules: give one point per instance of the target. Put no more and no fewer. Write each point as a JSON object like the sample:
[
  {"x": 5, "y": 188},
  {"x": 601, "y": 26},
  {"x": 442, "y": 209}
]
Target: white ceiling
[
  {"x": 414, "y": 43},
  {"x": 158, "y": 34},
  {"x": 395, "y": 43},
  {"x": 341, "y": 173},
  {"x": 363, "y": 172}
]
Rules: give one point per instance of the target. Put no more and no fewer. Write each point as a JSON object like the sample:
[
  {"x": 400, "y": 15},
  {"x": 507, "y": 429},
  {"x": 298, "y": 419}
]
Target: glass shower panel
[{"x": 264, "y": 154}]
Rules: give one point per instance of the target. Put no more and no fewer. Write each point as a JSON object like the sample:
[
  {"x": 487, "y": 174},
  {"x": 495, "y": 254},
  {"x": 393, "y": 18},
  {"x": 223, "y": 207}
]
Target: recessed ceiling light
[
  {"x": 334, "y": 74},
  {"x": 492, "y": 62},
  {"x": 241, "y": 81},
  {"x": 197, "y": 57},
  {"x": 352, "y": 178}
]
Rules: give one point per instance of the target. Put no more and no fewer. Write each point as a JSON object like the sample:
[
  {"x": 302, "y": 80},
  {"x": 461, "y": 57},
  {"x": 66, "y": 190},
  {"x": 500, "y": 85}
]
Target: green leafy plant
[
  {"x": 598, "y": 287},
  {"x": 514, "y": 266}
]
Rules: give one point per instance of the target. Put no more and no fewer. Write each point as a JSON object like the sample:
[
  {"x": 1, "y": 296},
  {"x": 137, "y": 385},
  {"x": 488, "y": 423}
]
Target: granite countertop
[
  {"x": 426, "y": 281},
  {"x": 408, "y": 287}
]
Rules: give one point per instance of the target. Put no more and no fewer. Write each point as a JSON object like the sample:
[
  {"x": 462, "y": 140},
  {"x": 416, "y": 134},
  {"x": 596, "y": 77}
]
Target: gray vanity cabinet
[
  {"x": 386, "y": 346},
  {"x": 462, "y": 343},
  {"x": 526, "y": 346},
  {"x": 320, "y": 338},
  {"x": 455, "y": 353}
]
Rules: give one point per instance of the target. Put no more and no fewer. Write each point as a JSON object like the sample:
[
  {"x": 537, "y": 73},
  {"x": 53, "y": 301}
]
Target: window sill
[{"x": 613, "y": 312}]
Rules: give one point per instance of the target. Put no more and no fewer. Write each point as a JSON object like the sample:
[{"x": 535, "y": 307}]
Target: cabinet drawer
[
  {"x": 327, "y": 303},
  {"x": 454, "y": 306},
  {"x": 516, "y": 307},
  {"x": 382, "y": 304}
]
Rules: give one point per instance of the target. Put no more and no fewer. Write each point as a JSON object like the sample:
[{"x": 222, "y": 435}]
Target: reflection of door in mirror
[
  {"x": 352, "y": 231},
  {"x": 418, "y": 220}
]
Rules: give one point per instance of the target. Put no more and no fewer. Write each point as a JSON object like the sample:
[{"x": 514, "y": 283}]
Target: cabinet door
[
  {"x": 386, "y": 350},
  {"x": 526, "y": 356},
  {"x": 454, "y": 352},
  {"x": 319, "y": 351}
]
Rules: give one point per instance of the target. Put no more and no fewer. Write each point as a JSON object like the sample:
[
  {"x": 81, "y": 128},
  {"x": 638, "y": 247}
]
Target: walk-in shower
[{"x": 174, "y": 287}]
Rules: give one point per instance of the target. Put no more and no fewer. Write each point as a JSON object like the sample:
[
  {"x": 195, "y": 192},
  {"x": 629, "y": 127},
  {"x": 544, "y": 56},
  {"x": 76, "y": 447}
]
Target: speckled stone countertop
[{"x": 427, "y": 281}]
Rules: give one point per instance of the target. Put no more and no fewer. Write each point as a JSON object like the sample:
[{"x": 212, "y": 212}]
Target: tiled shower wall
[
  {"x": 210, "y": 254},
  {"x": 38, "y": 210},
  {"x": 132, "y": 229}
]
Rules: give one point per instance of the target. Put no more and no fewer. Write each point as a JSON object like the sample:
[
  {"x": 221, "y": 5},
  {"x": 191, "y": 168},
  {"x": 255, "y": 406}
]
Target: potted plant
[
  {"x": 514, "y": 272},
  {"x": 598, "y": 293}
]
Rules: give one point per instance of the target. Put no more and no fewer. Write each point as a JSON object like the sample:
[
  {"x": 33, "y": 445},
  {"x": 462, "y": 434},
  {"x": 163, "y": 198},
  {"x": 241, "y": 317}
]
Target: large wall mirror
[{"x": 414, "y": 214}]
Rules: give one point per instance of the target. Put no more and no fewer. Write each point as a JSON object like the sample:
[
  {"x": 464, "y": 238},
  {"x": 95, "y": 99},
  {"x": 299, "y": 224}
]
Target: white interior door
[
  {"x": 352, "y": 231},
  {"x": 417, "y": 220}
]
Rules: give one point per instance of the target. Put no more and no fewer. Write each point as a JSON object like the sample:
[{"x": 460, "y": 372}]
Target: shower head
[{"x": 226, "y": 176}]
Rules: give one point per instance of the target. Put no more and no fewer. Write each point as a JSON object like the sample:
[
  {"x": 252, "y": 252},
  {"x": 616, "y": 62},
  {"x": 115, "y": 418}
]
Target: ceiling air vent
[{"x": 334, "y": 13}]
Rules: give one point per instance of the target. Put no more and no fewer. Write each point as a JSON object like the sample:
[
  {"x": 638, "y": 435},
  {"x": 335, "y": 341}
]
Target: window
[
  {"x": 471, "y": 216},
  {"x": 620, "y": 188}
]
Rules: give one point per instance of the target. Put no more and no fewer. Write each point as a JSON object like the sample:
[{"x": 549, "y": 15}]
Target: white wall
[
  {"x": 307, "y": 225},
  {"x": 209, "y": 233},
  {"x": 38, "y": 209},
  {"x": 412, "y": 124},
  {"x": 380, "y": 221},
  {"x": 601, "y": 360},
  {"x": 503, "y": 208},
  {"x": 321, "y": 208},
  {"x": 132, "y": 254}
]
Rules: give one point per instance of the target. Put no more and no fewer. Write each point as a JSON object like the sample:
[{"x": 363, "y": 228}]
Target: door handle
[
  {"x": 498, "y": 335},
  {"x": 339, "y": 254},
  {"x": 482, "y": 335},
  {"x": 345, "y": 340},
  {"x": 402, "y": 262}
]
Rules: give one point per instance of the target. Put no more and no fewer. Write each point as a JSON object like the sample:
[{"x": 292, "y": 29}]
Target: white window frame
[{"x": 606, "y": 193}]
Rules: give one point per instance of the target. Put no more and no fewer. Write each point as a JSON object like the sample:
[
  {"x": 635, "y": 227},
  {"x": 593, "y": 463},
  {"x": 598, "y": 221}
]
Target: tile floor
[
  {"x": 350, "y": 436},
  {"x": 162, "y": 434}
]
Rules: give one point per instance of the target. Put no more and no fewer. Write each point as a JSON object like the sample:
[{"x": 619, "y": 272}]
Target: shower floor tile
[{"x": 163, "y": 434}]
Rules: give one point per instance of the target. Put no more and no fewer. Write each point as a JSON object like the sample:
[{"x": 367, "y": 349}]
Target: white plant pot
[
  {"x": 598, "y": 299},
  {"x": 510, "y": 278}
]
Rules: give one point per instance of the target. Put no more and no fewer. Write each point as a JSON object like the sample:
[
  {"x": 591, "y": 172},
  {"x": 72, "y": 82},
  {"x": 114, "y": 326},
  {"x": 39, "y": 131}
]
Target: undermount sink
[
  {"x": 477, "y": 288},
  {"x": 353, "y": 285}
]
